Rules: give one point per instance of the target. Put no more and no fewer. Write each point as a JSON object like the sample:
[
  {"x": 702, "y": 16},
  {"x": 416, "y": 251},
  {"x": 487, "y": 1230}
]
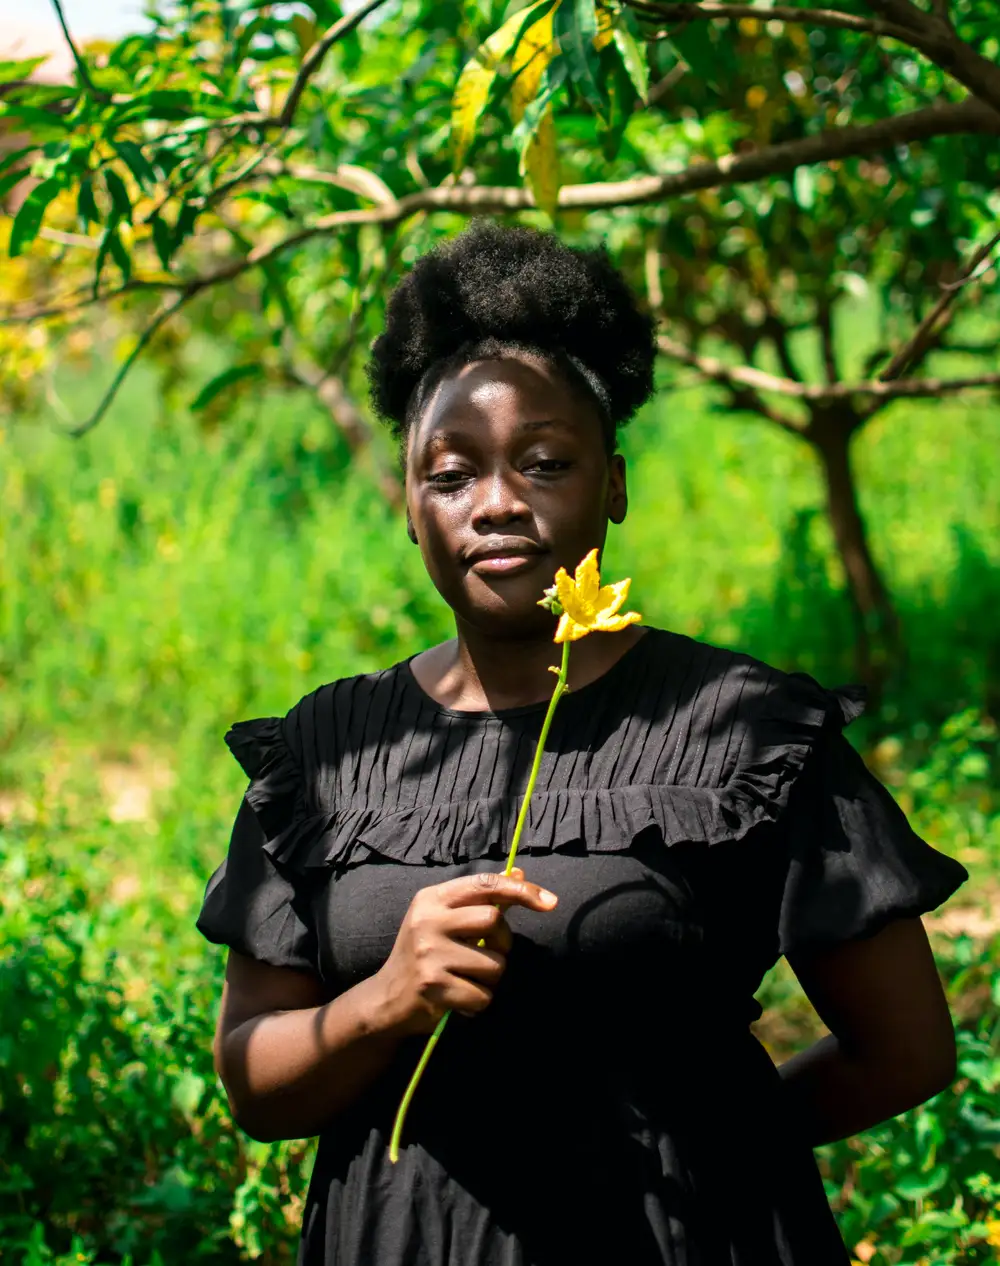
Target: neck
[{"x": 476, "y": 672}]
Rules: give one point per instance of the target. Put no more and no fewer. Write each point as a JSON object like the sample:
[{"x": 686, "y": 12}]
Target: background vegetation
[{"x": 810, "y": 485}]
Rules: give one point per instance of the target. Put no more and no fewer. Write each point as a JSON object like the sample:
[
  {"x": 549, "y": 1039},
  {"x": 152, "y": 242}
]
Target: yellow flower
[{"x": 585, "y": 606}]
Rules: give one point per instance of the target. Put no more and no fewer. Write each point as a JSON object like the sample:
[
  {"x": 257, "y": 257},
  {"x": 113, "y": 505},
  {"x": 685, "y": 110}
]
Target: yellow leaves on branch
[
  {"x": 531, "y": 47},
  {"x": 587, "y": 606},
  {"x": 540, "y": 160},
  {"x": 476, "y": 82}
]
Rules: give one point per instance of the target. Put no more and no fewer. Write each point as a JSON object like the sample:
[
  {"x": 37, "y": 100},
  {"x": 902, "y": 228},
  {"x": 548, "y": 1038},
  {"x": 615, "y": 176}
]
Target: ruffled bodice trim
[{"x": 304, "y": 834}]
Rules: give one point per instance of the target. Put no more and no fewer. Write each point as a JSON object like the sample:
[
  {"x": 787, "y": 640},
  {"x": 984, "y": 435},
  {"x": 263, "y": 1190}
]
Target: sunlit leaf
[
  {"x": 11, "y": 71},
  {"x": 605, "y": 27},
  {"x": 541, "y": 164},
  {"x": 29, "y": 218},
  {"x": 533, "y": 53},
  {"x": 476, "y": 81},
  {"x": 632, "y": 52}
]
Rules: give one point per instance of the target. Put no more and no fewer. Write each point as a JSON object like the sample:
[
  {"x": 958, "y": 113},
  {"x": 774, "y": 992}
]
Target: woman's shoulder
[
  {"x": 720, "y": 684},
  {"x": 315, "y": 719}
]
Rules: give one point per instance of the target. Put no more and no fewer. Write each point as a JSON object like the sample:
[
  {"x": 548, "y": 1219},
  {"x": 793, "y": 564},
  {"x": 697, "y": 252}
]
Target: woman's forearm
[
  {"x": 834, "y": 1094},
  {"x": 288, "y": 1073}
]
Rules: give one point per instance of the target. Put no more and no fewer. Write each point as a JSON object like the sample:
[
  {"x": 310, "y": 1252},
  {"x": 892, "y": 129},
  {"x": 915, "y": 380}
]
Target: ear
[
  {"x": 617, "y": 490},
  {"x": 411, "y": 531}
]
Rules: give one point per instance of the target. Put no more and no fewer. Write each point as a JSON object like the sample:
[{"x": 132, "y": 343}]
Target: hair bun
[{"x": 517, "y": 286}]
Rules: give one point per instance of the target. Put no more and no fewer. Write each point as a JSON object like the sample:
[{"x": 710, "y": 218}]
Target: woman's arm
[
  {"x": 290, "y": 1061},
  {"x": 891, "y": 1043}
]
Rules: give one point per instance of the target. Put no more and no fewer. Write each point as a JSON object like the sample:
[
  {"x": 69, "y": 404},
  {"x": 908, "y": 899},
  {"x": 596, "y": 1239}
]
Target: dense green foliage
[
  {"x": 787, "y": 196},
  {"x": 164, "y": 583}
]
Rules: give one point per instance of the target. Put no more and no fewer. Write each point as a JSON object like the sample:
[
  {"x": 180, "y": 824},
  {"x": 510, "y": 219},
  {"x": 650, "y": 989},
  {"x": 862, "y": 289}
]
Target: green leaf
[
  {"x": 10, "y": 71},
  {"x": 7, "y": 159},
  {"x": 172, "y": 105},
  {"x": 576, "y": 27},
  {"x": 234, "y": 374},
  {"x": 120, "y": 200},
  {"x": 183, "y": 225},
  {"x": 187, "y": 1092},
  {"x": 137, "y": 163},
  {"x": 28, "y": 220},
  {"x": 86, "y": 206},
  {"x": 102, "y": 253},
  {"x": 120, "y": 254},
  {"x": 612, "y": 123},
  {"x": 917, "y": 1186},
  {"x": 11, "y": 179},
  {"x": 41, "y": 125},
  {"x": 632, "y": 52},
  {"x": 161, "y": 240},
  {"x": 475, "y": 83}
]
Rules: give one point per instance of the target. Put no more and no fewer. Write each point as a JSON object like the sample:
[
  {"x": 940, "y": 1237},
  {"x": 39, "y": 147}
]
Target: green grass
[{"x": 159, "y": 581}]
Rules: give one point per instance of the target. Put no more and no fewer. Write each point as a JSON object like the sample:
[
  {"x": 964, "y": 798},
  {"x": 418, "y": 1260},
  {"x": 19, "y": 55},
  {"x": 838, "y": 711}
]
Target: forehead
[{"x": 512, "y": 390}]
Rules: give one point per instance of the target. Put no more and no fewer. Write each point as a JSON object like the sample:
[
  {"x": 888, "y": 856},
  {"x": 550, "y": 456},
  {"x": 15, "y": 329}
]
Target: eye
[
  {"x": 447, "y": 478},
  {"x": 548, "y": 465}
]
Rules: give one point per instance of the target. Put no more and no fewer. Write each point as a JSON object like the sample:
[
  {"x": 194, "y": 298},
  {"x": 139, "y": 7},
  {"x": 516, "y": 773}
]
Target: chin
[{"x": 508, "y": 609}]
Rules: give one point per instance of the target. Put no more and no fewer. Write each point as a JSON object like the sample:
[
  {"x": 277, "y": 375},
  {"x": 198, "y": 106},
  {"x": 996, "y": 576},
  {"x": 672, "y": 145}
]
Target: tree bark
[{"x": 877, "y": 642}]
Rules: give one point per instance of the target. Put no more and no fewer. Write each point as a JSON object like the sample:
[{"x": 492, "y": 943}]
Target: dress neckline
[{"x": 525, "y": 709}]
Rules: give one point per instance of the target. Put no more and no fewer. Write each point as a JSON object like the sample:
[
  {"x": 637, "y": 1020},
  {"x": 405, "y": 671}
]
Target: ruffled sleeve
[
  {"x": 854, "y": 862},
  {"x": 251, "y": 904}
]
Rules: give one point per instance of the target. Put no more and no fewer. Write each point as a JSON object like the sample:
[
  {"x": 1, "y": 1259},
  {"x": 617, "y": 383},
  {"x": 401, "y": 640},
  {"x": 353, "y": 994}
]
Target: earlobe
[
  {"x": 411, "y": 531},
  {"x": 617, "y": 491}
]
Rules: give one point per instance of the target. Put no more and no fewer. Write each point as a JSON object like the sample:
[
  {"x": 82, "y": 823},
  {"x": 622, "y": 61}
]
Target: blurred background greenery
[{"x": 228, "y": 537}]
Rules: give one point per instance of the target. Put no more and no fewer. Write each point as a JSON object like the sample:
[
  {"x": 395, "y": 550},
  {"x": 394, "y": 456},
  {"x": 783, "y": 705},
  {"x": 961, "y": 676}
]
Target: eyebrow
[{"x": 445, "y": 436}]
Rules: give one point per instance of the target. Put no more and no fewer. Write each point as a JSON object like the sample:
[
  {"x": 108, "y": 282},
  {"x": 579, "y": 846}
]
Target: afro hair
[{"x": 495, "y": 287}]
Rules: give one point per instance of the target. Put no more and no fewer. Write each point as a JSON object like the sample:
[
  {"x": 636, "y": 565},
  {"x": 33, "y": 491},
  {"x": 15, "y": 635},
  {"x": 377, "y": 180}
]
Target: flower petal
[
  {"x": 615, "y": 623},
  {"x": 611, "y": 598},
  {"x": 571, "y": 600},
  {"x": 588, "y": 578},
  {"x": 569, "y": 630}
]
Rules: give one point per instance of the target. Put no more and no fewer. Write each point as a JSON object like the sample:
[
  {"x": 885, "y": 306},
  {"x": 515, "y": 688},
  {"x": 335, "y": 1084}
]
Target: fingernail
[{"x": 547, "y": 898}]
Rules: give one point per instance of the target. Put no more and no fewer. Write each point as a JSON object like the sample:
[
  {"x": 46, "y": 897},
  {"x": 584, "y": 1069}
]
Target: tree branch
[
  {"x": 739, "y": 377},
  {"x": 329, "y": 390},
  {"x": 81, "y": 65},
  {"x": 926, "y": 330},
  {"x": 162, "y": 317},
  {"x": 707, "y": 10},
  {"x": 934, "y": 35},
  {"x": 968, "y": 116},
  {"x": 824, "y": 320},
  {"x": 314, "y": 58}
]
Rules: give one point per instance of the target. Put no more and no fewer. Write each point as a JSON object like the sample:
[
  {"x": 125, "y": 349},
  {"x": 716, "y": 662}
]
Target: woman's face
[{"x": 507, "y": 480}]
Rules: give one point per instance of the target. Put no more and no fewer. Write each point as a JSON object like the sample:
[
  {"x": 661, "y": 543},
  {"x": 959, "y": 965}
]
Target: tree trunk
[{"x": 877, "y": 643}]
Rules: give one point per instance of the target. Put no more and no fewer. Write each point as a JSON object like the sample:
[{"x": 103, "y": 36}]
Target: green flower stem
[{"x": 557, "y": 694}]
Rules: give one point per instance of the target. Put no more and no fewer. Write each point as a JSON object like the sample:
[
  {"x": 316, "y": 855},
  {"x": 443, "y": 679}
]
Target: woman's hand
[{"x": 436, "y": 964}]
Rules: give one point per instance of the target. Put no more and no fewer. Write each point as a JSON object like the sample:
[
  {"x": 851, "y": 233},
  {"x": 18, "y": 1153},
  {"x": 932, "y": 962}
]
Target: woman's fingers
[{"x": 492, "y": 886}]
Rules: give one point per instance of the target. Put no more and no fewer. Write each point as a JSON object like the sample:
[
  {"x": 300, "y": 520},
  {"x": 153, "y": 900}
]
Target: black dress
[{"x": 699, "y": 814}]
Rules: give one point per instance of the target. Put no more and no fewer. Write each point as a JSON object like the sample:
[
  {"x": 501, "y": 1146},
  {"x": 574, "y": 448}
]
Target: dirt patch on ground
[{"x": 126, "y": 788}]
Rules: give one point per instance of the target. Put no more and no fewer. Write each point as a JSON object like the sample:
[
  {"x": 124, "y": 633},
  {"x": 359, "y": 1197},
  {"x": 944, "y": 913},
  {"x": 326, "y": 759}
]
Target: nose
[{"x": 498, "y": 502}]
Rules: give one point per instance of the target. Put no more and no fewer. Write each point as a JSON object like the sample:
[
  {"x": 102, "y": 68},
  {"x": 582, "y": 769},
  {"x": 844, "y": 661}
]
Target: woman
[{"x": 598, "y": 1098}]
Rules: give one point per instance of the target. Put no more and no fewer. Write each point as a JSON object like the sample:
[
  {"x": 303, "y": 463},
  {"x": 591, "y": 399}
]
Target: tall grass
[{"x": 159, "y": 580}]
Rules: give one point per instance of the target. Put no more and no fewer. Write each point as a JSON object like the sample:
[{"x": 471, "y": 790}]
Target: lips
[{"x": 503, "y": 557}]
